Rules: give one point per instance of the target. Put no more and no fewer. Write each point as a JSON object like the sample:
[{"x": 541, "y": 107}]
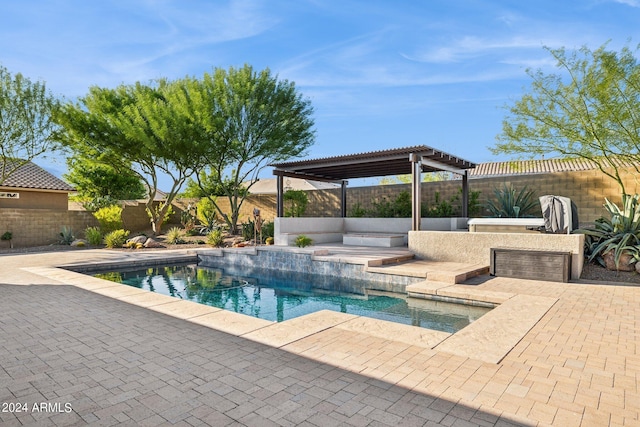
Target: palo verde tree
[
  {"x": 590, "y": 110},
  {"x": 150, "y": 128},
  {"x": 101, "y": 183},
  {"x": 26, "y": 126},
  {"x": 255, "y": 120}
]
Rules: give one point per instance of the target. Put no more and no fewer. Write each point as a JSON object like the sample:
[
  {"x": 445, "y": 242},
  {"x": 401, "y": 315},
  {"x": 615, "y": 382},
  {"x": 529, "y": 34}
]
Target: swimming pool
[{"x": 277, "y": 296}]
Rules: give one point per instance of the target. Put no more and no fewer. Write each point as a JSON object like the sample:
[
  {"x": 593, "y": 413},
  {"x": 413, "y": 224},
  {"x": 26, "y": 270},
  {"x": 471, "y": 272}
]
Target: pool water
[{"x": 277, "y": 296}]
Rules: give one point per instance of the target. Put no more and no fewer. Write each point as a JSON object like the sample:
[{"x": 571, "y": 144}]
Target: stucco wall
[
  {"x": 476, "y": 247},
  {"x": 33, "y": 199}
]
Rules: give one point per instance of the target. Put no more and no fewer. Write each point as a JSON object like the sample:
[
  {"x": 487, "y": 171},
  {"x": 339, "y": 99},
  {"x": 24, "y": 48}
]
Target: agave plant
[
  {"x": 510, "y": 203},
  {"x": 619, "y": 235}
]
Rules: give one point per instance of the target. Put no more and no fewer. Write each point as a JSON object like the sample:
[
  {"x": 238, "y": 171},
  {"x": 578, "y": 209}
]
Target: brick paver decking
[{"x": 90, "y": 358}]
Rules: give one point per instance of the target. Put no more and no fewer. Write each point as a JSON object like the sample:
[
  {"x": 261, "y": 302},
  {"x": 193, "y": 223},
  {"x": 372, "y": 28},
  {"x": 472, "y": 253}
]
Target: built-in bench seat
[
  {"x": 373, "y": 239},
  {"x": 289, "y": 239}
]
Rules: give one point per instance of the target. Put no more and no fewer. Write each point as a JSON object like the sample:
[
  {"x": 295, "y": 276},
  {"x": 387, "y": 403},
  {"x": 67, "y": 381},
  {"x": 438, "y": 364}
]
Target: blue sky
[{"x": 380, "y": 74}]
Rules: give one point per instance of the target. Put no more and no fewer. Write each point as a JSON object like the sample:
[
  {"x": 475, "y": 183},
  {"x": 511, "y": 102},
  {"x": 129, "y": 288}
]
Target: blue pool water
[{"x": 278, "y": 296}]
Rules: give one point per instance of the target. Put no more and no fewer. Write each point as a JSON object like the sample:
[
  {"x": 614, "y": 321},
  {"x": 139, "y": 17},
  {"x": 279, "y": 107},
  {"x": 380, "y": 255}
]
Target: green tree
[
  {"x": 256, "y": 120},
  {"x": 590, "y": 110},
  {"x": 406, "y": 179},
  {"x": 297, "y": 201},
  {"x": 25, "y": 121},
  {"x": 152, "y": 128},
  {"x": 95, "y": 180}
]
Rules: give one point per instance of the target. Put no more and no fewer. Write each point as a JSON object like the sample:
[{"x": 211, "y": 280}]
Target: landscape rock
[
  {"x": 625, "y": 263},
  {"x": 151, "y": 243},
  {"x": 138, "y": 239}
]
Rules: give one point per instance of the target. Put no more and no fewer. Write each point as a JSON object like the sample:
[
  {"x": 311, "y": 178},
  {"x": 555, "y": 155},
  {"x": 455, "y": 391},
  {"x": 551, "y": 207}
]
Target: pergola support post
[
  {"x": 280, "y": 196},
  {"x": 465, "y": 194},
  {"x": 343, "y": 199},
  {"x": 416, "y": 191}
]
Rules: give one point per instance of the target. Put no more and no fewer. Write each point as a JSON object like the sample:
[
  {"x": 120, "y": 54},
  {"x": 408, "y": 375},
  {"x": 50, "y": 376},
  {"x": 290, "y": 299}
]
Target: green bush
[
  {"x": 93, "y": 235},
  {"x": 303, "y": 241},
  {"x": 248, "y": 229},
  {"x": 215, "y": 238},
  {"x": 109, "y": 218},
  {"x": 441, "y": 208},
  {"x": 175, "y": 236},
  {"x": 116, "y": 238},
  {"x": 357, "y": 211},
  {"x": 268, "y": 229}
]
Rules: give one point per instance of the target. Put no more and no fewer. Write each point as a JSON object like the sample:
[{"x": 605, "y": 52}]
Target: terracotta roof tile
[
  {"x": 31, "y": 175},
  {"x": 529, "y": 167}
]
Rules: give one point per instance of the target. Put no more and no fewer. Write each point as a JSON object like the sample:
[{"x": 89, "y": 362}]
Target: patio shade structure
[{"x": 398, "y": 161}]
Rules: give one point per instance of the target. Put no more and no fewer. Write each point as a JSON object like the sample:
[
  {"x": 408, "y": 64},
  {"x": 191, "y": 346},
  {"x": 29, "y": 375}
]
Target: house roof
[
  {"x": 530, "y": 167},
  {"x": 374, "y": 163},
  {"x": 32, "y": 176}
]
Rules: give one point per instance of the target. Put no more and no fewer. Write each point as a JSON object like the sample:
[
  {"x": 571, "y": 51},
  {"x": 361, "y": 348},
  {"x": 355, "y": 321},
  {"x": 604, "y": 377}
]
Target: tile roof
[
  {"x": 530, "y": 167},
  {"x": 33, "y": 176}
]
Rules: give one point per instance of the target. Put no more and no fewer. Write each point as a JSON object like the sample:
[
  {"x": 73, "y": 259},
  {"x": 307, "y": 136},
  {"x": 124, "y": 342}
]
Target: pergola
[{"x": 398, "y": 161}]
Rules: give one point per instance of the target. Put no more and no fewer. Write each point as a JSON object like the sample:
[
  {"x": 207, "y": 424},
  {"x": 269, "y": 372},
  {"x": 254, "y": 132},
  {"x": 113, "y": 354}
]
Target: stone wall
[
  {"x": 40, "y": 227},
  {"x": 587, "y": 189}
]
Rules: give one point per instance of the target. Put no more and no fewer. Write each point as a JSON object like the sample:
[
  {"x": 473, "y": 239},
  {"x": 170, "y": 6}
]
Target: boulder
[
  {"x": 626, "y": 263},
  {"x": 138, "y": 239},
  {"x": 151, "y": 243}
]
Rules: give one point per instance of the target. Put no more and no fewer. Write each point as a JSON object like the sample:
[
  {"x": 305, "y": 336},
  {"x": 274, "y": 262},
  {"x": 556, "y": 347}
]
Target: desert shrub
[
  {"x": 618, "y": 235},
  {"x": 206, "y": 213},
  {"x": 109, "y": 218},
  {"x": 215, "y": 238},
  {"x": 303, "y": 241},
  {"x": 268, "y": 229},
  {"x": 399, "y": 207},
  {"x": 269, "y": 240},
  {"x": 93, "y": 235},
  {"x": 357, "y": 211},
  {"x": 66, "y": 236},
  {"x": 116, "y": 238},
  {"x": 510, "y": 203},
  {"x": 441, "y": 208},
  {"x": 248, "y": 229},
  {"x": 175, "y": 236}
]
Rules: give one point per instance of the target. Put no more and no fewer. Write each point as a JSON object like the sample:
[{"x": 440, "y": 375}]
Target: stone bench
[
  {"x": 373, "y": 239},
  {"x": 289, "y": 239}
]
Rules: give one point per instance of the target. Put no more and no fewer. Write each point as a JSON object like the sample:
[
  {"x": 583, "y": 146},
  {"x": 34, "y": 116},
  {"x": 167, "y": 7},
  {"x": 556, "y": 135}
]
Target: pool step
[
  {"x": 447, "y": 272},
  {"x": 429, "y": 288},
  {"x": 390, "y": 261}
]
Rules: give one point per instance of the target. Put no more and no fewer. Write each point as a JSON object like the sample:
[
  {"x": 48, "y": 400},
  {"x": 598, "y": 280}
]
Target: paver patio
[{"x": 116, "y": 362}]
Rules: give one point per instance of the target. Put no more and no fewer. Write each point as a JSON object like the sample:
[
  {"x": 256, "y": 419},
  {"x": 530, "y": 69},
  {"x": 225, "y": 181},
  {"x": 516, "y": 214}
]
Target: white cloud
[{"x": 632, "y": 3}]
